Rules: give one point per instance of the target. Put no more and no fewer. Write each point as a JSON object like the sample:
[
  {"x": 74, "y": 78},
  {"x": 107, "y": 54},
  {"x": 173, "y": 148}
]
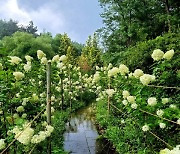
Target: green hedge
[{"x": 138, "y": 56}]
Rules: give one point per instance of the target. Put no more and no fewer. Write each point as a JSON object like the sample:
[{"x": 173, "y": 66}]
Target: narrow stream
[{"x": 81, "y": 134}]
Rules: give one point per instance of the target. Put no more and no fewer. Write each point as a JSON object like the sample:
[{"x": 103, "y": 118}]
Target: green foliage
[
  {"x": 127, "y": 22},
  {"x": 139, "y": 56},
  {"x": 92, "y": 51}
]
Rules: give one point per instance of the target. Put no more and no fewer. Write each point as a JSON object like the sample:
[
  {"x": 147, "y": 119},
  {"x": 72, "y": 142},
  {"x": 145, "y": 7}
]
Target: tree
[
  {"x": 30, "y": 28},
  {"x": 7, "y": 28},
  {"x": 91, "y": 51},
  {"x": 129, "y": 21}
]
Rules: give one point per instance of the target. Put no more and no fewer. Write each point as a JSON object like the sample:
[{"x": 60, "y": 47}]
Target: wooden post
[
  {"x": 48, "y": 109},
  {"x": 70, "y": 91},
  {"x": 62, "y": 93},
  {"x": 109, "y": 86}
]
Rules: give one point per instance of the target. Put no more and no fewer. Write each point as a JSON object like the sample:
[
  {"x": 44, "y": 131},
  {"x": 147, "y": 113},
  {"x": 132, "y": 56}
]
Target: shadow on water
[{"x": 81, "y": 136}]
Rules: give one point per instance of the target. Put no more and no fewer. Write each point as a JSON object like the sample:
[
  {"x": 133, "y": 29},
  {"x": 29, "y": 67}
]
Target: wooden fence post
[{"x": 48, "y": 109}]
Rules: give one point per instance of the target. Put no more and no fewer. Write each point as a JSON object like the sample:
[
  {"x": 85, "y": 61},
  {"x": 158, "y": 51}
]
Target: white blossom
[
  {"x": 162, "y": 125},
  {"x": 152, "y": 101},
  {"x": 138, "y": 73},
  {"x": 123, "y": 69},
  {"x": 2, "y": 144},
  {"x": 145, "y": 128},
  {"x": 169, "y": 54},
  {"x": 18, "y": 75},
  {"x": 15, "y": 60},
  {"x": 157, "y": 54},
  {"x": 160, "y": 112}
]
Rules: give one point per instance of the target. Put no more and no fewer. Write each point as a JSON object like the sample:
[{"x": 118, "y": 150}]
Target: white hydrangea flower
[
  {"x": 165, "y": 151},
  {"x": 44, "y": 60},
  {"x": 157, "y": 54},
  {"x": 25, "y": 136},
  {"x": 40, "y": 54},
  {"x": 56, "y": 58},
  {"x": 110, "y": 92},
  {"x": 113, "y": 72},
  {"x": 125, "y": 94},
  {"x": 146, "y": 79},
  {"x": 123, "y": 69},
  {"x": 2, "y": 144},
  {"x": 109, "y": 67},
  {"x": 131, "y": 99},
  {"x": 169, "y": 54},
  {"x": 27, "y": 67},
  {"x": 15, "y": 60},
  {"x": 145, "y": 128},
  {"x": 20, "y": 109},
  {"x": 96, "y": 77},
  {"x": 24, "y": 115},
  {"x": 130, "y": 75},
  {"x": 162, "y": 125},
  {"x": 160, "y": 112},
  {"x": 134, "y": 106},
  {"x": 18, "y": 75},
  {"x": 165, "y": 100},
  {"x": 178, "y": 121},
  {"x": 173, "y": 106},
  {"x": 28, "y": 58},
  {"x": 152, "y": 101},
  {"x": 125, "y": 102},
  {"x": 175, "y": 150},
  {"x": 63, "y": 58},
  {"x": 1, "y": 66},
  {"x": 15, "y": 116},
  {"x": 138, "y": 73}
]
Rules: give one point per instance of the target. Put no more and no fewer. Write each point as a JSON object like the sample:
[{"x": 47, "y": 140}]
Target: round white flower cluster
[
  {"x": 175, "y": 150},
  {"x": 134, "y": 105},
  {"x": 178, "y": 121},
  {"x": 27, "y": 67},
  {"x": 18, "y": 75},
  {"x": 131, "y": 99},
  {"x": 25, "y": 135},
  {"x": 138, "y": 73},
  {"x": 146, "y": 79},
  {"x": 125, "y": 102},
  {"x": 145, "y": 128},
  {"x": 28, "y": 58},
  {"x": 169, "y": 54},
  {"x": 15, "y": 60},
  {"x": 1, "y": 66},
  {"x": 56, "y": 58},
  {"x": 41, "y": 136},
  {"x": 152, "y": 101},
  {"x": 160, "y": 112},
  {"x": 44, "y": 60},
  {"x": 63, "y": 58},
  {"x": 123, "y": 69},
  {"x": 40, "y": 54},
  {"x": 2, "y": 144},
  {"x": 110, "y": 92},
  {"x": 125, "y": 94},
  {"x": 96, "y": 77},
  {"x": 20, "y": 109},
  {"x": 162, "y": 125},
  {"x": 157, "y": 54},
  {"x": 113, "y": 72},
  {"x": 165, "y": 100}
]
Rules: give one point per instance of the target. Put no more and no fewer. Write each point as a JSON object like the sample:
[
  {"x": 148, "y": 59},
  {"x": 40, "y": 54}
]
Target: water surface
[{"x": 81, "y": 136}]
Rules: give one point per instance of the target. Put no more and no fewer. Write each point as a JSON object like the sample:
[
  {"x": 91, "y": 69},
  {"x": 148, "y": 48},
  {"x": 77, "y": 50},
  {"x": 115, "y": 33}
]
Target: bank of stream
[{"x": 81, "y": 136}]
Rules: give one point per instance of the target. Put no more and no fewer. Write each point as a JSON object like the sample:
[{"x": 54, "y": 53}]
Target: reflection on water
[{"x": 81, "y": 134}]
